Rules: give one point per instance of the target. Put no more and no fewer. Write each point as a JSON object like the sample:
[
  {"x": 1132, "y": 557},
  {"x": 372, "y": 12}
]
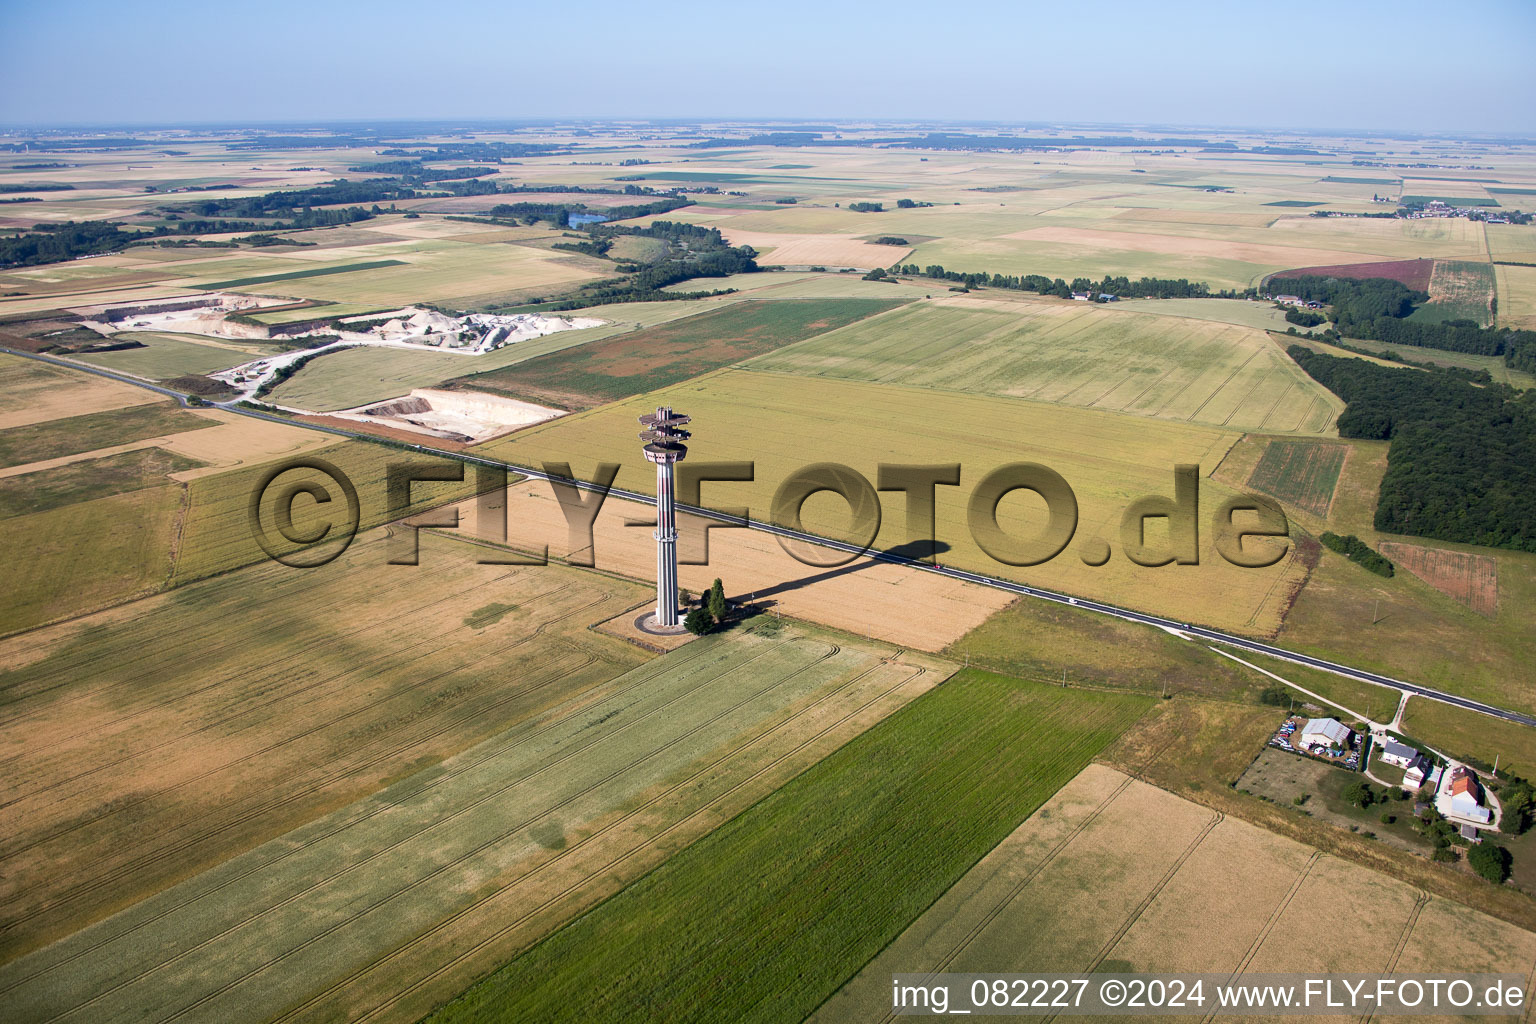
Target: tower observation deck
[{"x": 664, "y": 437}]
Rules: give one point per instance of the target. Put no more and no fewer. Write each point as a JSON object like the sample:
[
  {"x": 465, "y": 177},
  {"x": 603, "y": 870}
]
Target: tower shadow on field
[{"x": 921, "y": 550}]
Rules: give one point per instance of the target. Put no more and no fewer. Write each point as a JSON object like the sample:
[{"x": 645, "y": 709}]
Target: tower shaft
[{"x": 666, "y": 546}]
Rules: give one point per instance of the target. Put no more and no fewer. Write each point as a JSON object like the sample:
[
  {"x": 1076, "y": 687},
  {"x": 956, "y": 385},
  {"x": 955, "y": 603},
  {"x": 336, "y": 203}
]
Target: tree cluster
[
  {"x": 1377, "y": 308},
  {"x": 1357, "y": 551},
  {"x": 293, "y": 202},
  {"x": 1462, "y": 466},
  {"x": 1124, "y": 287},
  {"x": 1304, "y": 317},
  {"x": 416, "y": 172}
]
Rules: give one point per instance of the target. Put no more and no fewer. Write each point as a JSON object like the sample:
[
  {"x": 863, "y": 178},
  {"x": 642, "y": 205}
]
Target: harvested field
[
  {"x": 1459, "y": 290},
  {"x": 1303, "y": 473},
  {"x": 1108, "y": 459},
  {"x": 1075, "y": 354},
  {"x": 1416, "y": 274},
  {"x": 1085, "y": 885},
  {"x": 390, "y": 905},
  {"x": 870, "y": 598},
  {"x": 1517, "y": 296},
  {"x": 37, "y": 442},
  {"x": 603, "y": 371},
  {"x": 897, "y": 815},
  {"x": 830, "y": 250},
  {"x": 238, "y": 708},
  {"x": 237, "y": 440},
  {"x": 1469, "y": 578},
  {"x": 37, "y": 392}
]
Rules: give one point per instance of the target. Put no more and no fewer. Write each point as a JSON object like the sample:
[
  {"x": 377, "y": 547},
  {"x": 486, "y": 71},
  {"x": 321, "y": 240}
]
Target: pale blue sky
[{"x": 1465, "y": 66}]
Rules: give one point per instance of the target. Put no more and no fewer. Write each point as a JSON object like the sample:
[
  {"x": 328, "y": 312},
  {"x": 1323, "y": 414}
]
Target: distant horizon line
[{"x": 738, "y": 122}]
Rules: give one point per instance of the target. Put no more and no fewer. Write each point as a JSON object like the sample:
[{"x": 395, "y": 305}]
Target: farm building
[
  {"x": 1420, "y": 770},
  {"x": 1395, "y": 753},
  {"x": 1467, "y": 796},
  {"x": 1325, "y": 732}
]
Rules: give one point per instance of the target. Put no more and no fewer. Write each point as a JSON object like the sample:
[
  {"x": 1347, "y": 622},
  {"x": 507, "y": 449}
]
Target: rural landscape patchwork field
[{"x": 682, "y": 569}]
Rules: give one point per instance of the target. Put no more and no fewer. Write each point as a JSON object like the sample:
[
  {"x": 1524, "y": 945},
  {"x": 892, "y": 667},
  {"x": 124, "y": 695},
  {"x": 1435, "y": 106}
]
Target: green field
[
  {"x": 605, "y": 371},
  {"x": 52, "y": 439},
  {"x": 397, "y": 901},
  {"x": 216, "y": 532},
  {"x": 88, "y": 479},
  {"x": 822, "y": 874},
  {"x": 392, "y": 274},
  {"x": 312, "y": 312},
  {"x": 1303, "y": 473},
  {"x": 1165, "y": 367},
  {"x": 296, "y": 275},
  {"x": 88, "y": 554},
  {"x": 1261, "y": 315},
  {"x": 165, "y": 355},
  {"x": 1495, "y": 365}
]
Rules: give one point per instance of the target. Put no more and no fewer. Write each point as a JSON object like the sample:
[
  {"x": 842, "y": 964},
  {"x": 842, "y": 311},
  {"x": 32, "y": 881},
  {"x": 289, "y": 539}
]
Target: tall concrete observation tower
[{"x": 664, "y": 439}]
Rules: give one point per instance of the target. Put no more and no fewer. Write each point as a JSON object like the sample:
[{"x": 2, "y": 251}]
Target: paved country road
[{"x": 1184, "y": 629}]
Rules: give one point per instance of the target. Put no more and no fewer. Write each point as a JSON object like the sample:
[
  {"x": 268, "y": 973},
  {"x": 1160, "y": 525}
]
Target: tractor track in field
[
  {"x": 652, "y": 841},
  {"x": 353, "y": 865},
  {"x": 467, "y": 765}
]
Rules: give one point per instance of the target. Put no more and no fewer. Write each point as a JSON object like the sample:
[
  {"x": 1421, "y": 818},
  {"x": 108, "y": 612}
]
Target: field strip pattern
[
  {"x": 1471, "y": 579},
  {"x": 503, "y": 937},
  {"x": 299, "y": 913},
  {"x": 1304, "y": 473},
  {"x": 1086, "y": 885},
  {"x": 262, "y": 741},
  {"x": 1175, "y": 368}
]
